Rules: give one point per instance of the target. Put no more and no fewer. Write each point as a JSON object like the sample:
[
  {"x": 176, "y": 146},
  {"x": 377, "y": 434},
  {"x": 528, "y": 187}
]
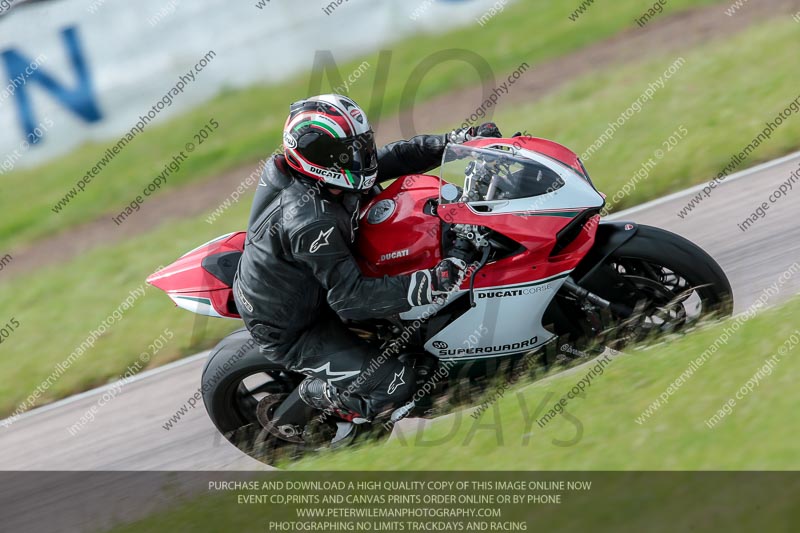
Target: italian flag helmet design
[{"x": 328, "y": 138}]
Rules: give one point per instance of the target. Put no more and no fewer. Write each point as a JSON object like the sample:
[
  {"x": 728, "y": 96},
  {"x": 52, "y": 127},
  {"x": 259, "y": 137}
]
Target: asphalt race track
[{"x": 128, "y": 432}]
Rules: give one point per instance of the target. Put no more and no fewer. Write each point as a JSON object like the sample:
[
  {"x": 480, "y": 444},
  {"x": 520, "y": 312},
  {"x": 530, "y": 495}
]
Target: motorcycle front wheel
[{"x": 669, "y": 283}]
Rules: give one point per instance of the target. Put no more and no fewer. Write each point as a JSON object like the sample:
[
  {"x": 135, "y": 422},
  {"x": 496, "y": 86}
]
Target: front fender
[{"x": 609, "y": 237}]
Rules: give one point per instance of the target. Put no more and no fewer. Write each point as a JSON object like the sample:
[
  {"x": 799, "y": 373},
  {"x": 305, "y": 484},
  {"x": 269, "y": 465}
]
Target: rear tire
[{"x": 231, "y": 404}]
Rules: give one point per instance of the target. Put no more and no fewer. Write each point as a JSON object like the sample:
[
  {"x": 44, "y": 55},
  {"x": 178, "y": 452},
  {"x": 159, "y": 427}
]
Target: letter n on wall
[{"x": 80, "y": 99}]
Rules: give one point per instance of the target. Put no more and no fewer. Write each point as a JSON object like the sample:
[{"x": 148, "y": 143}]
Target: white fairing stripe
[
  {"x": 190, "y": 304},
  {"x": 505, "y": 320}
]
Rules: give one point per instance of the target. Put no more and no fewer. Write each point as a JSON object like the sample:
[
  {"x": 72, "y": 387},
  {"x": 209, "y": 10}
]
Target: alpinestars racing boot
[{"x": 322, "y": 396}]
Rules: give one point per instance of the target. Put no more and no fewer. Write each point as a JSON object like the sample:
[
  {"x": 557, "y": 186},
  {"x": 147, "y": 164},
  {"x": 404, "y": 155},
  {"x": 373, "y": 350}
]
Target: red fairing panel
[
  {"x": 537, "y": 233},
  {"x": 395, "y": 235},
  {"x": 186, "y": 280}
]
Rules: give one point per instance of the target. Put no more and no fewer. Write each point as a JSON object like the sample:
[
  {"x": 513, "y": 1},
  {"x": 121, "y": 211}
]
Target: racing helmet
[{"x": 329, "y": 139}]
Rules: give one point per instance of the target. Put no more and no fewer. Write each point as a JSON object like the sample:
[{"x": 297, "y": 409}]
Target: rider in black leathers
[{"x": 297, "y": 272}]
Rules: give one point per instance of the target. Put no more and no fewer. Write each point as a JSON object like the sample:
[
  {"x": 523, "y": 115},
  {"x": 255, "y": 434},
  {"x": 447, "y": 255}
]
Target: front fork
[
  {"x": 585, "y": 296},
  {"x": 581, "y": 318}
]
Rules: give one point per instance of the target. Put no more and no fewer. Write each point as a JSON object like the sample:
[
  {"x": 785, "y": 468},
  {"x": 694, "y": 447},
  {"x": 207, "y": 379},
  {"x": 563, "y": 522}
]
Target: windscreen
[{"x": 481, "y": 175}]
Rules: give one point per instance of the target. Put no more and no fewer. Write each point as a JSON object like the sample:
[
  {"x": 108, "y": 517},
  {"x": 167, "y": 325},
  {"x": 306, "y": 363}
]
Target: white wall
[{"x": 133, "y": 62}]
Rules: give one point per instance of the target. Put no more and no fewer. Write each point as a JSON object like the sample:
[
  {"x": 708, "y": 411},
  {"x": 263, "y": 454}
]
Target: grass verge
[
  {"x": 722, "y": 94},
  {"x": 58, "y": 307}
]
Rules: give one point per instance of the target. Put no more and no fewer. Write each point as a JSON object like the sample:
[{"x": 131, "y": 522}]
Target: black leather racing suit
[{"x": 297, "y": 273}]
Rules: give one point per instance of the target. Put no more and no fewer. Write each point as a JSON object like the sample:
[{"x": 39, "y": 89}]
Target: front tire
[{"x": 670, "y": 283}]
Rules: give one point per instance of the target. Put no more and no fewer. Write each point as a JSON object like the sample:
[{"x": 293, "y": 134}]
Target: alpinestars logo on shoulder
[{"x": 322, "y": 240}]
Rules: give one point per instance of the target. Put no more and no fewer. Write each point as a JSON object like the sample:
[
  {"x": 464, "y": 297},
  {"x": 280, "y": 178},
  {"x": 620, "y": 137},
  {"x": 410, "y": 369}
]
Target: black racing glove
[
  {"x": 488, "y": 129},
  {"x": 461, "y": 135},
  {"x": 430, "y": 286},
  {"x": 448, "y": 275}
]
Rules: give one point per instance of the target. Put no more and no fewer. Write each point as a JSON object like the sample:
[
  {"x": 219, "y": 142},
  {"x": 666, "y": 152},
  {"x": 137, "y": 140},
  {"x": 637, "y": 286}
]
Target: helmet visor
[{"x": 357, "y": 154}]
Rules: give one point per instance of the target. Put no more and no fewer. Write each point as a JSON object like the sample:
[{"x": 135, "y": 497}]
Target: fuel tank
[{"x": 398, "y": 230}]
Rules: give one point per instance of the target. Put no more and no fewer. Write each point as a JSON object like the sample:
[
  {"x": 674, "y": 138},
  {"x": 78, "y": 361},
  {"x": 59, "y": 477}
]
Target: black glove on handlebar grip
[{"x": 488, "y": 129}]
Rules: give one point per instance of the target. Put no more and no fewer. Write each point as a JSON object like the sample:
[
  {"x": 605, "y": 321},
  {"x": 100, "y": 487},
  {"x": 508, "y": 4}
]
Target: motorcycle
[{"x": 544, "y": 267}]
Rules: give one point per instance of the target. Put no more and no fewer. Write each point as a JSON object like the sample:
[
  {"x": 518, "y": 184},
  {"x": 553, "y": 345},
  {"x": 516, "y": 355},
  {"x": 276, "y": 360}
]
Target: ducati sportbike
[{"x": 525, "y": 215}]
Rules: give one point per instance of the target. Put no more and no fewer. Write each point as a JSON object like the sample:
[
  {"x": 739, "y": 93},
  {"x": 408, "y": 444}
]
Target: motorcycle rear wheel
[{"x": 235, "y": 379}]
